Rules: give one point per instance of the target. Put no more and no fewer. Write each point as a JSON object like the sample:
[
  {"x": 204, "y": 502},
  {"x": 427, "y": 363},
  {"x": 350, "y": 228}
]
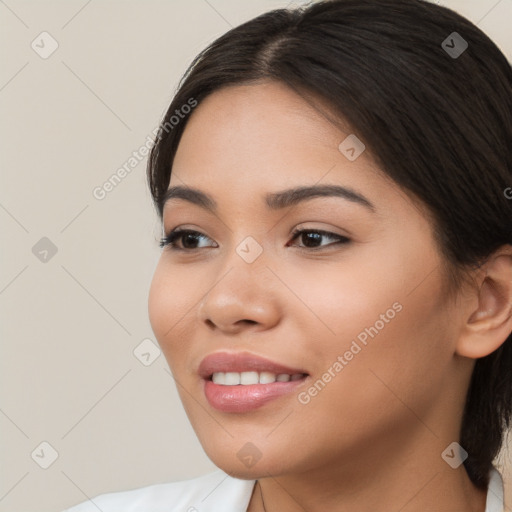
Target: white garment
[{"x": 214, "y": 492}]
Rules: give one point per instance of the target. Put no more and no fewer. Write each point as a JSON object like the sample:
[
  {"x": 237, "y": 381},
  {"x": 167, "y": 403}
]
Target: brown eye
[
  {"x": 312, "y": 238},
  {"x": 188, "y": 238}
]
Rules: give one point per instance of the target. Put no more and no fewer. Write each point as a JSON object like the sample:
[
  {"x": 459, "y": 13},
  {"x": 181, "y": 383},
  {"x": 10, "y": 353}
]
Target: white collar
[{"x": 495, "y": 493}]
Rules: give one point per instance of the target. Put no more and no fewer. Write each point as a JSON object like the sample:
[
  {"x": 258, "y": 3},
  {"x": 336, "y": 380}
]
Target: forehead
[
  {"x": 243, "y": 144},
  {"x": 264, "y": 134},
  {"x": 267, "y": 113}
]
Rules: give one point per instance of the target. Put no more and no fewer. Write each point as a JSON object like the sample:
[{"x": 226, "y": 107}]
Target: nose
[{"x": 243, "y": 297}]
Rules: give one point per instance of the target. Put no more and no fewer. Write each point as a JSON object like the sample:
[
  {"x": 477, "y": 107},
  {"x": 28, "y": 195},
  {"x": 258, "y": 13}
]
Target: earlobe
[{"x": 490, "y": 324}]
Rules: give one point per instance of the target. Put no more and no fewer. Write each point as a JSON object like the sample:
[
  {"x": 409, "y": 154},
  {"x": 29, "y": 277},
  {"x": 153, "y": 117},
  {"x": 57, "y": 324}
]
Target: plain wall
[{"x": 72, "y": 320}]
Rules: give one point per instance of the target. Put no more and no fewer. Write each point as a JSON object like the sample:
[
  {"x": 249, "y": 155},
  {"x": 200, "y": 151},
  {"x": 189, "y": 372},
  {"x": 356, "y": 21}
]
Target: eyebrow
[{"x": 274, "y": 201}]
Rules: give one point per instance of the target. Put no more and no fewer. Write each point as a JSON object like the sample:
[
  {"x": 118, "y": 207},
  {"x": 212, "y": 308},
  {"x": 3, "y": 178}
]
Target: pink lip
[
  {"x": 241, "y": 362},
  {"x": 244, "y": 398}
]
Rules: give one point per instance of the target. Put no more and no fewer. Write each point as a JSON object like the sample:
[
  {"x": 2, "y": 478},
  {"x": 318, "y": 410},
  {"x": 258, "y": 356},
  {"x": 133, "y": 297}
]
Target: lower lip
[{"x": 244, "y": 398}]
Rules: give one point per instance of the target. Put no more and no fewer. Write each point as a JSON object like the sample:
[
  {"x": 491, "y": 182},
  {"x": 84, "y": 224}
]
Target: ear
[{"x": 488, "y": 320}]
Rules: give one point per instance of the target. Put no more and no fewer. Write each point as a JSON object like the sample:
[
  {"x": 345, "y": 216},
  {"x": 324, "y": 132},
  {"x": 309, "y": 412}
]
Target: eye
[
  {"x": 189, "y": 239},
  {"x": 311, "y": 238}
]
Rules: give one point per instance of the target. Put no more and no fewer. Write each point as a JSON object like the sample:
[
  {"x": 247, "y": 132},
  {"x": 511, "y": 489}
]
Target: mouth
[
  {"x": 243, "y": 382},
  {"x": 250, "y": 378}
]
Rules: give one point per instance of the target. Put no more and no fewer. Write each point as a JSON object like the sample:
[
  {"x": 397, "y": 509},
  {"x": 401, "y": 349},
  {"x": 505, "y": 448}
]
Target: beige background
[{"x": 70, "y": 324}]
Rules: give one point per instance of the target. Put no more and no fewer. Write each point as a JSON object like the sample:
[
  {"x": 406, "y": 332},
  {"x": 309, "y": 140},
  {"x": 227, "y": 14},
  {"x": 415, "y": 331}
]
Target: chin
[
  {"x": 249, "y": 474},
  {"x": 249, "y": 470}
]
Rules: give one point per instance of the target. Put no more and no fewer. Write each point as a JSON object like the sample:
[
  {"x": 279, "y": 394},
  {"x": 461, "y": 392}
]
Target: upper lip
[{"x": 241, "y": 362}]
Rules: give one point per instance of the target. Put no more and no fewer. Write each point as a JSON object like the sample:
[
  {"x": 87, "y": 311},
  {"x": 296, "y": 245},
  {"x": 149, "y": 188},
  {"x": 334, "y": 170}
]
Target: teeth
[
  {"x": 231, "y": 379},
  {"x": 219, "y": 378},
  {"x": 267, "y": 377},
  {"x": 248, "y": 378}
]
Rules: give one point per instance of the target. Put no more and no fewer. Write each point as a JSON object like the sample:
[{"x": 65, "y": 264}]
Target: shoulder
[{"x": 202, "y": 494}]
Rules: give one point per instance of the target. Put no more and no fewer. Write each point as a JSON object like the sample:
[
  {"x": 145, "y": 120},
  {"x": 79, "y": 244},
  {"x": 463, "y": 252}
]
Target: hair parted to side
[{"x": 440, "y": 127}]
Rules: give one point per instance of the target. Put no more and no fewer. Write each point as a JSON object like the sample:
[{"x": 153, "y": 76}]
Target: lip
[
  {"x": 244, "y": 398},
  {"x": 241, "y": 362}
]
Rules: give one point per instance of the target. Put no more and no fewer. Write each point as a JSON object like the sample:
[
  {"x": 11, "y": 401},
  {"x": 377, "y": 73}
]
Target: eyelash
[{"x": 169, "y": 241}]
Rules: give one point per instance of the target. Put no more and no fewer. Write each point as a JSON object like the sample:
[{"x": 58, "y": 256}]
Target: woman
[{"x": 335, "y": 287}]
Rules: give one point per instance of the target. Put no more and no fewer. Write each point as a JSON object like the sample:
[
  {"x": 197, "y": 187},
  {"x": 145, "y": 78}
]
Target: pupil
[
  {"x": 315, "y": 238},
  {"x": 187, "y": 238}
]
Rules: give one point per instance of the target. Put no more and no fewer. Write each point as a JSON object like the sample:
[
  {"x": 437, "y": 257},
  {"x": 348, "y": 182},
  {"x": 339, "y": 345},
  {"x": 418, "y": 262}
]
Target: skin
[{"x": 372, "y": 439}]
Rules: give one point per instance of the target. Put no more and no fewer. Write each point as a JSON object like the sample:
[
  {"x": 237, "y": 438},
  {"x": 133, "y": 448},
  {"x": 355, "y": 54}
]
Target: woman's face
[{"x": 361, "y": 310}]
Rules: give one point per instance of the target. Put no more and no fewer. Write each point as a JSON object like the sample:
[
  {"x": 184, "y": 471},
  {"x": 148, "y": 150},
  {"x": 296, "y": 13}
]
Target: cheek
[
  {"x": 386, "y": 312},
  {"x": 399, "y": 368},
  {"x": 388, "y": 294},
  {"x": 341, "y": 302},
  {"x": 168, "y": 303},
  {"x": 401, "y": 357},
  {"x": 158, "y": 303}
]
